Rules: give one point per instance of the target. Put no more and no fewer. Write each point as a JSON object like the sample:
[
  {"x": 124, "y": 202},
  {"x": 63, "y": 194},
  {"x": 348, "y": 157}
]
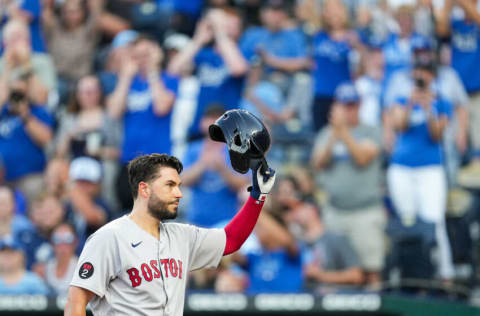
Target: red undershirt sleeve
[{"x": 241, "y": 226}]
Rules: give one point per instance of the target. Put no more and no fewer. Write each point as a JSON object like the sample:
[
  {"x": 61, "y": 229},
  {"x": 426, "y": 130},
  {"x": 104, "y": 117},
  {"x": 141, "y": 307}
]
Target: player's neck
[{"x": 145, "y": 221}]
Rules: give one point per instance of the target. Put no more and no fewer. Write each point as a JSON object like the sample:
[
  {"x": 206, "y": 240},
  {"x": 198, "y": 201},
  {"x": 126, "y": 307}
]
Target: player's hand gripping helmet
[{"x": 246, "y": 137}]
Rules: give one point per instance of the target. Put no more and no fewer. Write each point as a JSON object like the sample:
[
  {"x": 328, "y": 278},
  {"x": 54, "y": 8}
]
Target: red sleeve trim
[{"x": 241, "y": 226}]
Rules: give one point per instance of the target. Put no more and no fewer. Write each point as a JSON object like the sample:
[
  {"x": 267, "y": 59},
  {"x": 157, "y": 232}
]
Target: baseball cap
[
  {"x": 421, "y": 43},
  {"x": 86, "y": 169},
  {"x": 346, "y": 93},
  {"x": 176, "y": 41},
  {"x": 124, "y": 38}
]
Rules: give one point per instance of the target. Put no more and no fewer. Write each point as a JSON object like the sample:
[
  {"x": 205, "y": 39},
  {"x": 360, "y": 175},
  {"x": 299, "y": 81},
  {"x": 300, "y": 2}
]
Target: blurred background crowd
[{"x": 373, "y": 107}]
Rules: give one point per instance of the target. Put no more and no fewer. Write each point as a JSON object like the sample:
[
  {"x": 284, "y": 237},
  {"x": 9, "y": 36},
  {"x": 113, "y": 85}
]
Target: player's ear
[{"x": 143, "y": 189}]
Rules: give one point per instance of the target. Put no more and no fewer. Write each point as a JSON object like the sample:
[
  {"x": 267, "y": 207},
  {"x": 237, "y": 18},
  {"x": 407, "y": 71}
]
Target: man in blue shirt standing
[
  {"x": 143, "y": 98},
  {"x": 219, "y": 64},
  {"x": 25, "y": 130},
  {"x": 461, "y": 21}
]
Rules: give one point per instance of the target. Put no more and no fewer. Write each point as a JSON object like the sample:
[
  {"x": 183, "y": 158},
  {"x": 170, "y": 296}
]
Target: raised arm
[
  {"x": 363, "y": 152},
  {"x": 241, "y": 226},
  {"x": 470, "y": 9},
  {"x": 279, "y": 234},
  {"x": 398, "y": 117},
  {"x": 117, "y": 100},
  {"x": 285, "y": 64},
  {"x": 228, "y": 48},
  {"x": 181, "y": 61},
  {"x": 162, "y": 98},
  {"x": 436, "y": 125},
  {"x": 443, "y": 19},
  {"x": 49, "y": 20},
  {"x": 322, "y": 155}
]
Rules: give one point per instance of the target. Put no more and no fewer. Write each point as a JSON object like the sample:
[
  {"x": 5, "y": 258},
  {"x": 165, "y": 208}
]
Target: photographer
[
  {"x": 416, "y": 176},
  {"x": 449, "y": 87},
  {"x": 25, "y": 129},
  {"x": 19, "y": 59}
]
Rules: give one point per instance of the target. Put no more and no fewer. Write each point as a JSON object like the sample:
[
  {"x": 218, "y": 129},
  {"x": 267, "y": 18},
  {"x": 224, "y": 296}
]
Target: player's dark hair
[{"x": 145, "y": 168}]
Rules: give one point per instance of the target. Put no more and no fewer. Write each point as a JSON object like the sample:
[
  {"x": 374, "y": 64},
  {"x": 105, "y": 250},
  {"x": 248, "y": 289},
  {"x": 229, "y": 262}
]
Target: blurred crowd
[{"x": 373, "y": 107}]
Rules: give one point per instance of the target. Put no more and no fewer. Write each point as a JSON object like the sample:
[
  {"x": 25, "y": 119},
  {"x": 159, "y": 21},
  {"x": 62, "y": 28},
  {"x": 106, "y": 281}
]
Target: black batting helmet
[{"x": 246, "y": 137}]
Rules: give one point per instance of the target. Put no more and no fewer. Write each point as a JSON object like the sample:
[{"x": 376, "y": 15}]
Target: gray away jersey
[{"x": 132, "y": 273}]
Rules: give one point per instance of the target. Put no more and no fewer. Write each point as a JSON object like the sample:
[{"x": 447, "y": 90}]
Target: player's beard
[{"x": 158, "y": 208}]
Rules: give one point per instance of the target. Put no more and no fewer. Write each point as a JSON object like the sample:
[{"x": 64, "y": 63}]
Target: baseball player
[{"x": 137, "y": 264}]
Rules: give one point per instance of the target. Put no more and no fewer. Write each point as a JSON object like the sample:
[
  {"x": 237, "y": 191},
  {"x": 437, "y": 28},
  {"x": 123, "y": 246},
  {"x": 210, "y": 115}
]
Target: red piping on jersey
[{"x": 240, "y": 227}]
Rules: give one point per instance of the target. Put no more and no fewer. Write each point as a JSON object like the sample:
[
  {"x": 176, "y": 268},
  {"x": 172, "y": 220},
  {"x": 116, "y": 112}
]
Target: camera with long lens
[
  {"x": 424, "y": 63},
  {"x": 15, "y": 99},
  {"x": 420, "y": 83}
]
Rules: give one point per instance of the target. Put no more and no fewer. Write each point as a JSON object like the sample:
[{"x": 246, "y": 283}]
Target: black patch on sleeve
[{"x": 86, "y": 270}]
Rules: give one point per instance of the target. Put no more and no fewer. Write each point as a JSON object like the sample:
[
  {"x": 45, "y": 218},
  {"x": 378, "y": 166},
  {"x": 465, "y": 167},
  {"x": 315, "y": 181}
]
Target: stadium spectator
[
  {"x": 19, "y": 196},
  {"x": 85, "y": 208},
  {"x": 82, "y": 129},
  {"x": 374, "y": 22},
  {"x": 461, "y": 21},
  {"x": 277, "y": 87},
  {"x": 416, "y": 177},
  {"x": 219, "y": 64},
  {"x": 449, "y": 87},
  {"x": 331, "y": 50},
  {"x": 143, "y": 99},
  {"x": 14, "y": 279},
  {"x": 72, "y": 37},
  {"x": 208, "y": 173},
  {"x": 347, "y": 153},
  {"x": 25, "y": 130},
  {"x": 288, "y": 199},
  {"x": 18, "y": 60},
  {"x": 397, "y": 49},
  {"x": 59, "y": 270},
  {"x": 329, "y": 259},
  {"x": 46, "y": 213},
  {"x": 29, "y": 12},
  {"x": 370, "y": 85},
  {"x": 273, "y": 264},
  {"x": 10, "y": 223},
  {"x": 279, "y": 46}
]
